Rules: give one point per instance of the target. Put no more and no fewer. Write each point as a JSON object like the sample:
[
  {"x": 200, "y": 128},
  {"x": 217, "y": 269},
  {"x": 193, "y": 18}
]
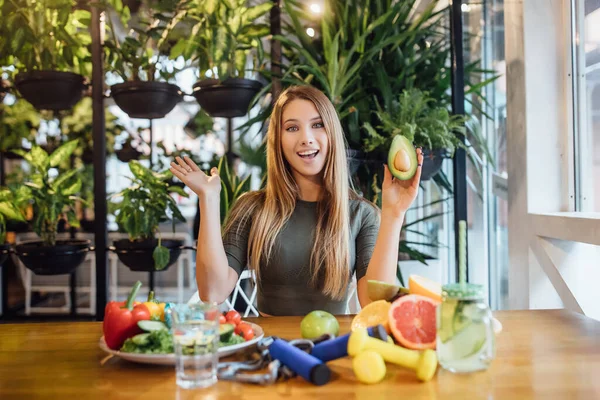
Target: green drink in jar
[{"x": 465, "y": 333}]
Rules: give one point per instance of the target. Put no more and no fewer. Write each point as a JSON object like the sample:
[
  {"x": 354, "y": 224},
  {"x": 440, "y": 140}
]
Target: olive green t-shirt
[{"x": 285, "y": 281}]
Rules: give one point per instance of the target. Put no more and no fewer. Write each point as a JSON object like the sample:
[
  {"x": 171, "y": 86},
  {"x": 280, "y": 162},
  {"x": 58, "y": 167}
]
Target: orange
[
  {"x": 412, "y": 321},
  {"x": 425, "y": 287},
  {"x": 374, "y": 313}
]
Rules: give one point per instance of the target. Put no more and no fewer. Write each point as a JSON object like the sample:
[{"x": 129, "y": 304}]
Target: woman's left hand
[{"x": 398, "y": 195}]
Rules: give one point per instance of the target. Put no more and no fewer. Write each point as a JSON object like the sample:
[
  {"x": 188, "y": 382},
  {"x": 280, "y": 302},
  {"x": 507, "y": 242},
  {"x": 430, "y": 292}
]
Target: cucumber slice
[
  {"x": 225, "y": 332},
  {"x": 150, "y": 326},
  {"x": 141, "y": 340}
]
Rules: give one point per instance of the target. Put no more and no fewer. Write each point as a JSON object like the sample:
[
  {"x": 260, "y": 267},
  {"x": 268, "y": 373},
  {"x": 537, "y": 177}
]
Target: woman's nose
[{"x": 307, "y": 137}]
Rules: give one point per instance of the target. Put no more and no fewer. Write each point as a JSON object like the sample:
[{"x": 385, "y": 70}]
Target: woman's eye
[
  {"x": 318, "y": 125},
  {"x": 291, "y": 128}
]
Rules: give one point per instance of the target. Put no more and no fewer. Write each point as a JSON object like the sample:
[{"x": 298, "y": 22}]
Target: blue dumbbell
[
  {"x": 338, "y": 347},
  {"x": 310, "y": 368}
]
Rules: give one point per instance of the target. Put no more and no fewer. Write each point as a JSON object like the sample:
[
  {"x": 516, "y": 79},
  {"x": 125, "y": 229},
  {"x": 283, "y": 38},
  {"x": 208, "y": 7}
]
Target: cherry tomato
[
  {"x": 222, "y": 319},
  {"x": 246, "y": 331},
  {"x": 233, "y": 317},
  {"x": 238, "y": 328}
]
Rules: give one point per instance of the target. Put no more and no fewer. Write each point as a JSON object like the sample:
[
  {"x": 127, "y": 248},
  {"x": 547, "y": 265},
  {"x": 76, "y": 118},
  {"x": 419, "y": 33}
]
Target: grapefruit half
[{"x": 412, "y": 321}]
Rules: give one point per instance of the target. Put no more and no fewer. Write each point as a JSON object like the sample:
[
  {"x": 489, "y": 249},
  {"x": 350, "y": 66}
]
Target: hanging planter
[
  {"x": 137, "y": 254},
  {"x": 147, "y": 100},
  {"x": 4, "y": 251},
  {"x": 50, "y": 90},
  {"x": 228, "y": 99},
  {"x": 432, "y": 162},
  {"x": 62, "y": 258}
]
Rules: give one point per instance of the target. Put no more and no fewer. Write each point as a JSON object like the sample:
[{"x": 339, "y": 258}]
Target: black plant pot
[
  {"x": 4, "y": 250},
  {"x": 432, "y": 162},
  {"x": 128, "y": 153},
  {"x": 59, "y": 259},
  {"x": 228, "y": 99},
  {"x": 147, "y": 100},
  {"x": 355, "y": 158},
  {"x": 50, "y": 90},
  {"x": 137, "y": 255}
]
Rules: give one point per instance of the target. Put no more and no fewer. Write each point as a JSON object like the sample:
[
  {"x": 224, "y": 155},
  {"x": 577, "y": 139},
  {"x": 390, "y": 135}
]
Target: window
[{"x": 586, "y": 24}]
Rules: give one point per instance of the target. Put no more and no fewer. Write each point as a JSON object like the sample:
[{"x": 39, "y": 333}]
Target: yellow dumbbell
[
  {"x": 369, "y": 367},
  {"x": 423, "y": 363}
]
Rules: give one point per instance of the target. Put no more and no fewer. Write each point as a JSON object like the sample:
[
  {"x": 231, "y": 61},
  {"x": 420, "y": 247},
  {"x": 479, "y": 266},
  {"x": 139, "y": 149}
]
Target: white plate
[{"x": 169, "y": 359}]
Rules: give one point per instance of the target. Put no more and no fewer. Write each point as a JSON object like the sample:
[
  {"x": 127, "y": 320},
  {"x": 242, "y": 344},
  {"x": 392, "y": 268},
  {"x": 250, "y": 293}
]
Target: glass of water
[
  {"x": 196, "y": 339},
  {"x": 465, "y": 333}
]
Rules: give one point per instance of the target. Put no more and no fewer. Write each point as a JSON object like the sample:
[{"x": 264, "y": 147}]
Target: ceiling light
[
  {"x": 315, "y": 8},
  {"x": 310, "y": 32}
]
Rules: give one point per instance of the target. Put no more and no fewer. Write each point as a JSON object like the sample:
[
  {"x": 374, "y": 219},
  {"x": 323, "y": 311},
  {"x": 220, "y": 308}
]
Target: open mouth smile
[{"x": 308, "y": 154}]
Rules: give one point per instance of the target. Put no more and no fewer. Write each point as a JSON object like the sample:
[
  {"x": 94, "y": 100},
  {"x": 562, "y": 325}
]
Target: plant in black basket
[
  {"x": 48, "y": 43},
  {"x": 418, "y": 117},
  {"x": 52, "y": 189},
  {"x": 226, "y": 43},
  {"x": 140, "y": 57},
  {"x": 142, "y": 207}
]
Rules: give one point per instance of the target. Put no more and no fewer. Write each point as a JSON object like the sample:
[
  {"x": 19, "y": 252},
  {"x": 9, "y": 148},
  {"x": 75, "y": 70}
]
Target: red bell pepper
[{"x": 121, "y": 318}]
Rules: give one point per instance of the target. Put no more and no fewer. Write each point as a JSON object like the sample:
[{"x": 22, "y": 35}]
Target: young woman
[{"x": 307, "y": 233}]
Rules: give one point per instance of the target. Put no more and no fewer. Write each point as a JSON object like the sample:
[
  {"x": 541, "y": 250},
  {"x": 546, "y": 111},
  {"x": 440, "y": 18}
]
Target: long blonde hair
[{"x": 271, "y": 208}]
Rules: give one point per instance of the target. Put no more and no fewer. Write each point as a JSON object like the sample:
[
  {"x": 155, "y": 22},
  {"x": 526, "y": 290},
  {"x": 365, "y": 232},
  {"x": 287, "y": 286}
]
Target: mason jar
[{"x": 465, "y": 330}]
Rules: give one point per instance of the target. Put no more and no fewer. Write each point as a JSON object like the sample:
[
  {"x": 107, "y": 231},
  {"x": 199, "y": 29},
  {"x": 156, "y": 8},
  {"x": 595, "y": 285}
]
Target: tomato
[
  {"x": 222, "y": 319},
  {"x": 246, "y": 331},
  {"x": 233, "y": 317}
]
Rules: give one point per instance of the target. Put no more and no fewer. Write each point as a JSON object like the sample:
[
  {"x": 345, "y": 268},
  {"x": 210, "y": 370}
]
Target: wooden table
[{"x": 541, "y": 354}]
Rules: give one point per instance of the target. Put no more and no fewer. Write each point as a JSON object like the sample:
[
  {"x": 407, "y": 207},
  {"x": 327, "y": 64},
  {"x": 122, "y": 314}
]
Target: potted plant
[
  {"x": 12, "y": 203},
  {"x": 49, "y": 47},
  {"x": 18, "y": 122},
  {"x": 222, "y": 42},
  {"x": 52, "y": 196},
  {"x": 141, "y": 59},
  {"x": 142, "y": 208},
  {"x": 417, "y": 117}
]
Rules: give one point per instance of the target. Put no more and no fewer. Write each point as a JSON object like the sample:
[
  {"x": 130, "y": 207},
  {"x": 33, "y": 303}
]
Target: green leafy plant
[
  {"x": 52, "y": 195},
  {"x": 45, "y": 35},
  {"x": 12, "y": 203},
  {"x": 19, "y": 121},
  {"x": 225, "y": 35},
  {"x": 143, "y": 53},
  {"x": 144, "y": 206},
  {"x": 416, "y": 116},
  {"x": 232, "y": 187}
]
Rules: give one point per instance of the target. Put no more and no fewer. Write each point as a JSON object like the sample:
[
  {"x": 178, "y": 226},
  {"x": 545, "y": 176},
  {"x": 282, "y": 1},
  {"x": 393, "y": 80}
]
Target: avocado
[
  {"x": 402, "y": 158},
  {"x": 377, "y": 290},
  {"x": 225, "y": 332}
]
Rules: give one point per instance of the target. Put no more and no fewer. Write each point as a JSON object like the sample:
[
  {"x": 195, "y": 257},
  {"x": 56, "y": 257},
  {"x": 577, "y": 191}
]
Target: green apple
[{"x": 317, "y": 323}]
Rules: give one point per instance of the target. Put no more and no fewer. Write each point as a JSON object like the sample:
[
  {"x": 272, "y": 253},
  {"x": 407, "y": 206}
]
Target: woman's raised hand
[{"x": 189, "y": 173}]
